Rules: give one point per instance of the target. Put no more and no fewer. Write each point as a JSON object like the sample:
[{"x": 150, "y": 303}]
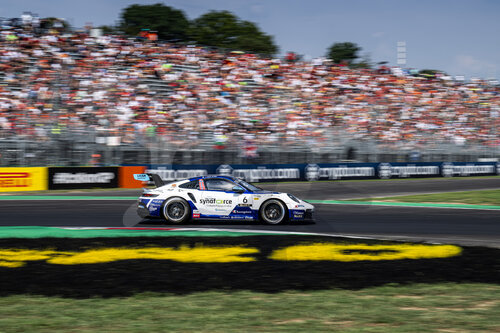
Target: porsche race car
[{"x": 218, "y": 197}]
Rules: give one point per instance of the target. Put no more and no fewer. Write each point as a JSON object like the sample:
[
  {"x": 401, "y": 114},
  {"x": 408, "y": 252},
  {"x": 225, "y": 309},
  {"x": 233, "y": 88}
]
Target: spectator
[{"x": 185, "y": 95}]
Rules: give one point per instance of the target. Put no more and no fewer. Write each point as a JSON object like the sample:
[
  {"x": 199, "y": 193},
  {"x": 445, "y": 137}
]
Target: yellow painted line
[
  {"x": 198, "y": 254},
  {"x": 361, "y": 252},
  {"x": 227, "y": 254}
]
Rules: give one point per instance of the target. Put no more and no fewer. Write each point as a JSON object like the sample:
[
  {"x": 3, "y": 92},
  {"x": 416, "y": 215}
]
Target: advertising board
[
  {"x": 327, "y": 171},
  {"x": 126, "y": 176},
  {"x": 23, "y": 179},
  {"x": 82, "y": 177}
]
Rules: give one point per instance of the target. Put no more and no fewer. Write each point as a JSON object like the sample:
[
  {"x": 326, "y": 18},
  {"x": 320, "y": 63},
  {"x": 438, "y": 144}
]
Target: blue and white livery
[{"x": 218, "y": 197}]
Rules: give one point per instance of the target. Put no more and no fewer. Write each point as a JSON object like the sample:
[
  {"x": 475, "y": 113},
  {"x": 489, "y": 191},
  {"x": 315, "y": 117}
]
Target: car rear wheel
[
  {"x": 176, "y": 210},
  {"x": 273, "y": 212}
]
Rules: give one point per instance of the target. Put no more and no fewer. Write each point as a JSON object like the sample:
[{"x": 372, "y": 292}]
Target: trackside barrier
[
  {"x": 328, "y": 171},
  {"x": 93, "y": 177},
  {"x": 23, "y": 179},
  {"x": 42, "y": 178}
]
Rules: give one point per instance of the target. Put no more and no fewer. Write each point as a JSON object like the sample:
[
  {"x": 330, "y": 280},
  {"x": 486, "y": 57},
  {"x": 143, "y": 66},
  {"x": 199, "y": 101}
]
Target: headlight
[{"x": 294, "y": 198}]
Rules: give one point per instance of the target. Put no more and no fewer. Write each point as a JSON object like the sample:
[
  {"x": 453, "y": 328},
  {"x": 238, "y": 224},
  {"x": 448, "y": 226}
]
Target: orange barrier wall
[
  {"x": 23, "y": 179},
  {"x": 126, "y": 176}
]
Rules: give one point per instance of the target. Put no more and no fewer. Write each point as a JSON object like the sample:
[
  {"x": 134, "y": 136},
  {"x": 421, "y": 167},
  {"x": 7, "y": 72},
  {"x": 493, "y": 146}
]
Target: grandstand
[{"x": 72, "y": 99}]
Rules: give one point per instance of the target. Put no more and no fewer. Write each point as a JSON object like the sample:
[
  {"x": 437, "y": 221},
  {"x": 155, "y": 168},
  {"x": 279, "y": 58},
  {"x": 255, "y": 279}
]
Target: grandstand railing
[{"x": 78, "y": 147}]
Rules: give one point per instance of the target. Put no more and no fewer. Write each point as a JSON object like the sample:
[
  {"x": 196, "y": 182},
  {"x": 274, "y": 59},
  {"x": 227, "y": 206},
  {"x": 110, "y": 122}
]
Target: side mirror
[{"x": 238, "y": 189}]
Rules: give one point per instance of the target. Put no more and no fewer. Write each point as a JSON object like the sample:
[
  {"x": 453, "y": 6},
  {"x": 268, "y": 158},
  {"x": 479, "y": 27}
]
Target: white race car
[{"x": 218, "y": 197}]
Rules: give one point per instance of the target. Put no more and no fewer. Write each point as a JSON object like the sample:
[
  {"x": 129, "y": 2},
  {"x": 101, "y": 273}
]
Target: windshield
[{"x": 248, "y": 186}]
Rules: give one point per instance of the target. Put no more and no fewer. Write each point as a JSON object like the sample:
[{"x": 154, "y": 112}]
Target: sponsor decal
[
  {"x": 242, "y": 211},
  {"x": 214, "y": 201},
  {"x": 362, "y": 252},
  {"x": 156, "y": 202},
  {"x": 154, "y": 207},
  {"x": 297, "y": 214},
  {"x": 245, "y": 205},
  {"x": 141, "y": 177},
  {"x": 196, "y": 216},
  {"x": 240, "y": 217}
]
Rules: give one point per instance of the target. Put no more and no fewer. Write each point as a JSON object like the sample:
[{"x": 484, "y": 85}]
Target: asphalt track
[{"x": 465, "y": 227}]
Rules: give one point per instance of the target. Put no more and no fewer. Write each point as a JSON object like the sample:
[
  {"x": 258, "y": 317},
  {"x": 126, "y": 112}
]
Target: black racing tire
[
  {"x": 273, "y": 211},
  {"x": 176, "y": 210}
]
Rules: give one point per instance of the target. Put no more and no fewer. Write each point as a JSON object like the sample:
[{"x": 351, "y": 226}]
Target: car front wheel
[
  {"x": 176, "y": 210},
  {"x": 273, "y": 212}
]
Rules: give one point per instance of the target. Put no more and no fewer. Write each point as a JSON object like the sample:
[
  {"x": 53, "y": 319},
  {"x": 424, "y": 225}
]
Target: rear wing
[{"x": 146, "y": 177}]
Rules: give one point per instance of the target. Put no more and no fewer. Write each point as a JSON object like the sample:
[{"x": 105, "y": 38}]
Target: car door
[{"x": 218, "y": 198}]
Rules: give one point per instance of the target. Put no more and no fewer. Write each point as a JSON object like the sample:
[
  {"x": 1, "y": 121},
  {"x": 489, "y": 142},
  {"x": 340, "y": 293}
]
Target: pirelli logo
[
  {"x": 23, "y": 179},
  {"x": 15, "y": 179}
]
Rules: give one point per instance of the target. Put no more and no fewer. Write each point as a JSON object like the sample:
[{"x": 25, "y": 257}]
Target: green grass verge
[
  {"x": 413, "y": 308},
  {"x": 26, "y": 232},
  {"x": 484, "y": 197}
]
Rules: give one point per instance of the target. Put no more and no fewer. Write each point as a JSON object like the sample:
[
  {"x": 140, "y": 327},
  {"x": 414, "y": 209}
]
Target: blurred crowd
[{"x": 137, "y": 91}]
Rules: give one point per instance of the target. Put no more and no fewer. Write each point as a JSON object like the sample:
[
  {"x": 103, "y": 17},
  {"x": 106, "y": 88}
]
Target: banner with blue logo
[{"x": 327, "y": 171}]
